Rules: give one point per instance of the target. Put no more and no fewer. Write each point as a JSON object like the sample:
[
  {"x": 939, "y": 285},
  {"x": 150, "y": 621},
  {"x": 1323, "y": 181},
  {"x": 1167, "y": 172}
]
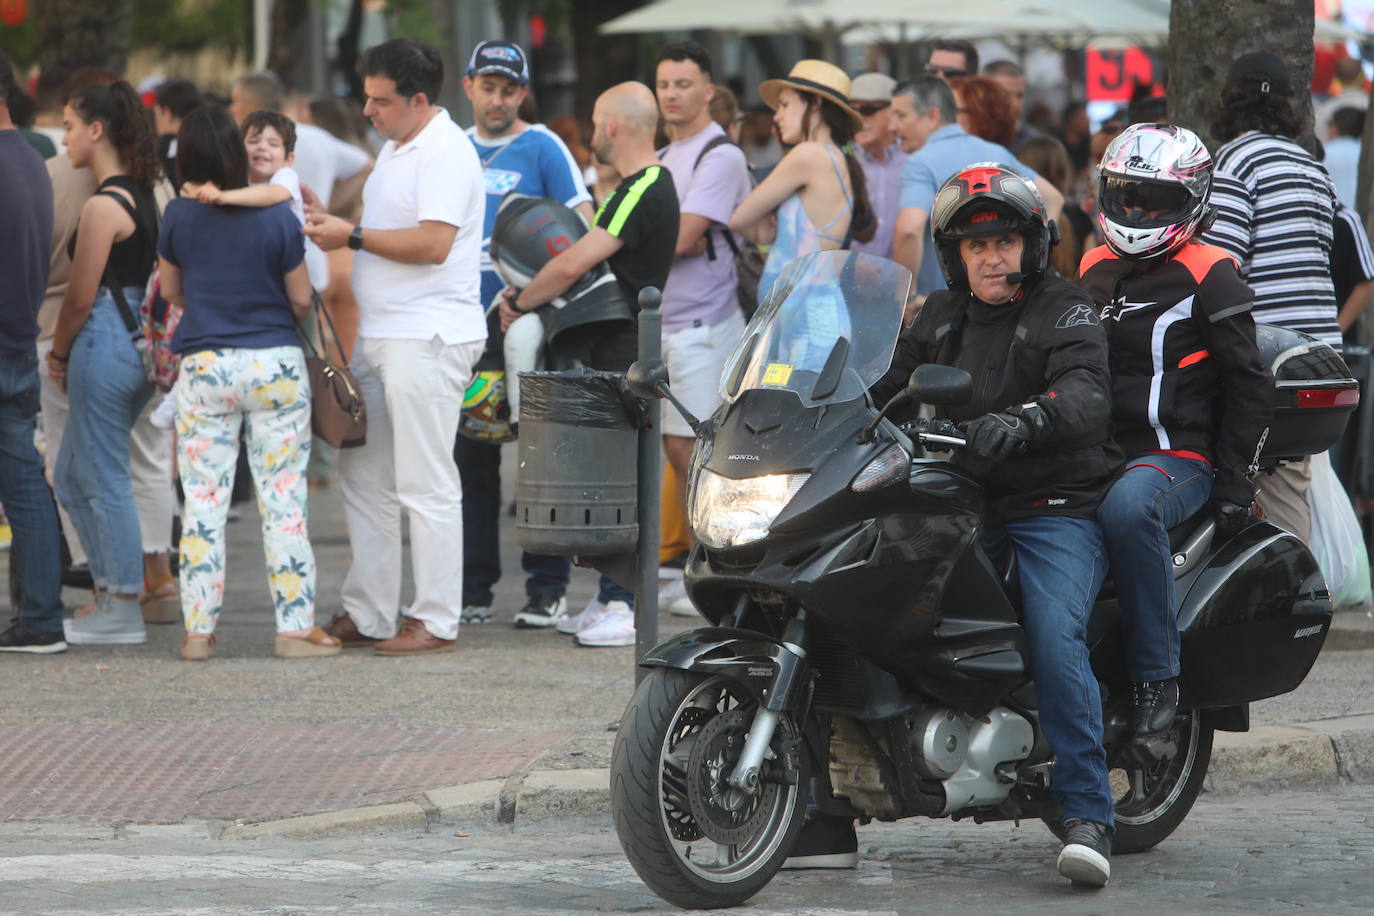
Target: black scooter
[{"x": 867, "y": 649}]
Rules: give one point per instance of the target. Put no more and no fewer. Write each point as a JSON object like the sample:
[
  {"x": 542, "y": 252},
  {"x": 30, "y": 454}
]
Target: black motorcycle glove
[
  {"x": 1231, "y": 517},
  {"x": 998, "y": 436}
]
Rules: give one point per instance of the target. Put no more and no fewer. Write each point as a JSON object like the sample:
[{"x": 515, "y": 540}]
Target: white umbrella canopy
[{"x": 1116, "y": 20}]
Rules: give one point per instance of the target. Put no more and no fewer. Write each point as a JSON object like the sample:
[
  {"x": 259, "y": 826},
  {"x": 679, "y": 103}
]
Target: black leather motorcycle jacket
[
  {"x": 1047, "y": 346},
  {"x": 1186, "y": 374}
]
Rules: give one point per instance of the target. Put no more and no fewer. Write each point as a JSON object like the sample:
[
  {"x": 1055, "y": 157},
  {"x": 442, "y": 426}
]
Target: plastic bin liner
[{"x": 580, "y": 397}]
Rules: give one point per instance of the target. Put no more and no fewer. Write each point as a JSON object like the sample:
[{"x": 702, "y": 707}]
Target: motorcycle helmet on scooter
[
  {"x": 1152, "y": 190},
  {"x": 989, "y": 199}
]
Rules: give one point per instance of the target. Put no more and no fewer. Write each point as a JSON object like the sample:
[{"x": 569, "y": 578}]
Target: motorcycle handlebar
[{"x": 941, "y": 432}]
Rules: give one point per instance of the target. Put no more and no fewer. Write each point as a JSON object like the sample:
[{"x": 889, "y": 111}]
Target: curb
[{"x": 1310, "y": 755}]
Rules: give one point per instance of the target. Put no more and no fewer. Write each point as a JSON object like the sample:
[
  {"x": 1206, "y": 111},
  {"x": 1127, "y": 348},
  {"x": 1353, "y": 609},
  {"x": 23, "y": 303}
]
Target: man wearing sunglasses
[
  {"x": 951, "y": 58},
  {"x": 880, "y": 156}
]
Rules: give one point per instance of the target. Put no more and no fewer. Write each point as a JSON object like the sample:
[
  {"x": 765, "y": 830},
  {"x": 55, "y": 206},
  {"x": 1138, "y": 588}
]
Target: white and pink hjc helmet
[{"x": 1152, "y": 190}]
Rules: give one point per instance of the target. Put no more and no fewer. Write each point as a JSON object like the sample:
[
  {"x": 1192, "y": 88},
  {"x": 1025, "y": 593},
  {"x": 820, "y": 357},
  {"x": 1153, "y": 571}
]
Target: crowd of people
[{"x": 1144, "y": 273}]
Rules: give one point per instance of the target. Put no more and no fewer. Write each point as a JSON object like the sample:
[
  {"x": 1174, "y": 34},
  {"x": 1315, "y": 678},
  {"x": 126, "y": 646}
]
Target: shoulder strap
[
  {"x": 112, "y": 282},
  {"x": 719, "y": 140}
]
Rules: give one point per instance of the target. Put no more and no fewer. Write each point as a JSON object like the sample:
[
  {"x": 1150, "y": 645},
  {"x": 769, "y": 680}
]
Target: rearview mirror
[{"x": 940, "y": 386}]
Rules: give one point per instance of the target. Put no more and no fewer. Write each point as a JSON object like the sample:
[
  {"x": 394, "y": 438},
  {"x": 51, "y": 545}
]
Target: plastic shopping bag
[{"x": 1336, "y": 540}]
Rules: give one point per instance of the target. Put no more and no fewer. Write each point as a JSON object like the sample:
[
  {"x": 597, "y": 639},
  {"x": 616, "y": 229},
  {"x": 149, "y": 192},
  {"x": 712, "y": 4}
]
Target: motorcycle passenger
[
  {"x": 1038, "y": 437},
  {"x": 1190, "y": 396}
]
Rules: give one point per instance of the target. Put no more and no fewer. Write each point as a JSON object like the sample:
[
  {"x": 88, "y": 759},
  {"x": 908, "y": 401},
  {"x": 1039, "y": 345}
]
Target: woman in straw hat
[{"x": 817, "y": 191}]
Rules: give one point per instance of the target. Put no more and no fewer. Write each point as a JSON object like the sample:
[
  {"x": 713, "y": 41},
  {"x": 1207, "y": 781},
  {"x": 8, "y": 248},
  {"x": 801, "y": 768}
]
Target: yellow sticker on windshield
[{"x": 777, "y": 374}]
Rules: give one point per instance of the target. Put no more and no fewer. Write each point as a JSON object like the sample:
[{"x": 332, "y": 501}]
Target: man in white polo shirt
[{"x": 417, "y": 279}]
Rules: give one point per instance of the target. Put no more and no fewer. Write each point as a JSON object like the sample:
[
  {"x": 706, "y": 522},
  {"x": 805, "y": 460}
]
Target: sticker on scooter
[
  {"x": 1308, "y": 631},
  {"x": 777, "y": 374}
]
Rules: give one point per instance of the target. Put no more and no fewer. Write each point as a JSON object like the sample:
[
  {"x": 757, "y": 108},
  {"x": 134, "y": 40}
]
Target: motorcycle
[{"x": 865, "y": 651}]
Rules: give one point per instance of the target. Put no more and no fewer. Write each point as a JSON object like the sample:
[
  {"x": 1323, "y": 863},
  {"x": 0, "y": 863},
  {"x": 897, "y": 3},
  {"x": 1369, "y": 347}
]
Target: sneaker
[
  {"x": 670, "y": 590},
  {"x": 825, "y": 841},
  {"x": 541, "y": 612},
  {"x": 18, "y": 639},
  {"x": 589, "y": 616},
  {"x": 615, "y": 628},
  {"x": 114, "y": 622},
  {"x": 1086, "y": 856},
  {"x": 476, "y": 613},
  {"x": 1154, "y": 705}
]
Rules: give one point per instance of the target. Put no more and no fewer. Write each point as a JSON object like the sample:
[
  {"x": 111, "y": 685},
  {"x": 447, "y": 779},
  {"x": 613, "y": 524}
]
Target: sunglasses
[
  {"x": 950, "y": 72},
  {"x": 867, "y": 109}
]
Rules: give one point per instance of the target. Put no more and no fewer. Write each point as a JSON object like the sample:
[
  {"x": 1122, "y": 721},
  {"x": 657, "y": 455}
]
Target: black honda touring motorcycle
[{"x": 864, "y": 646}]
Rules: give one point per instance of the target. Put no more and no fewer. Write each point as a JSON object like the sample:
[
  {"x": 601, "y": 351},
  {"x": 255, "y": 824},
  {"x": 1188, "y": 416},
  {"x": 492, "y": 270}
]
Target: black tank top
[{"x": 132, "y": 259}]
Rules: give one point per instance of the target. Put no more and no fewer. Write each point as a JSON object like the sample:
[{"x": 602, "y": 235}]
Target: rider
[
  {"x": 1038, "y": 436},
  {"x": 1190, "y": 396}
]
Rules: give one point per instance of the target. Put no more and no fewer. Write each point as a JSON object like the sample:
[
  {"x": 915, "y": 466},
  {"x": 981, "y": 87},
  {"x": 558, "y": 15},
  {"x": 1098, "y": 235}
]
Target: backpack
[
  {"x": 748, "y": 258},
  {"x": 152, "y": 328}
]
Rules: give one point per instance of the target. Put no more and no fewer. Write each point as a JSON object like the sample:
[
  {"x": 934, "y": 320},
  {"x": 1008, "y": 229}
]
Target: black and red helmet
[{"x": 988, "y": 198}]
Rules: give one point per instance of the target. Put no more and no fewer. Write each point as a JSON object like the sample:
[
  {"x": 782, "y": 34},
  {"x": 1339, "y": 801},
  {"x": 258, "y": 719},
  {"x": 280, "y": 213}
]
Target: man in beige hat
[{"x": 880, "y": 155}]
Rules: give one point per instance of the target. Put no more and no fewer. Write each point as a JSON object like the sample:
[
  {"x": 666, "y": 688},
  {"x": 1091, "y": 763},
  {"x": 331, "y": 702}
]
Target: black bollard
[{"x": 650, "y": 479}]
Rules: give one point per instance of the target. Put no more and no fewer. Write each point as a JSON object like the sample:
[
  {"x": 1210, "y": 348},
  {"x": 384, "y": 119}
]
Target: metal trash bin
[{"x": 577, "y": 492}]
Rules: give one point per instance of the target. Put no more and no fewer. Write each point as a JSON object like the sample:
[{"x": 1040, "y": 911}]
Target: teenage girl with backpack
[{"x": 93, "y": 354}]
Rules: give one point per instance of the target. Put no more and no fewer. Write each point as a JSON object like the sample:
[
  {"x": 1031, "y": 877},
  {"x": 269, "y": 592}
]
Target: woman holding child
[{"x": 239, "y": 271}]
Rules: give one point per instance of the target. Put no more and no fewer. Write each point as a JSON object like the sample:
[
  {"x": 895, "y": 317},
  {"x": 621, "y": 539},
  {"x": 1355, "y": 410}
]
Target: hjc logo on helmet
[{"x": 1140, "y": 164}]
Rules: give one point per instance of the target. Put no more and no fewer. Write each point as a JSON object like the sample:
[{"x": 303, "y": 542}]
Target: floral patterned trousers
[{"x": 267, "y": 393}]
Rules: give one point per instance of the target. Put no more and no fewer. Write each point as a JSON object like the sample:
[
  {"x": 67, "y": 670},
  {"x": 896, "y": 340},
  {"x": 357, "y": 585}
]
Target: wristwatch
[{"x": 355, "y": 238}]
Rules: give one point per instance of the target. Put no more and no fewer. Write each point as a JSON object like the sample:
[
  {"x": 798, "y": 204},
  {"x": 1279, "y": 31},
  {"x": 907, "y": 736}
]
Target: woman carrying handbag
[{"x": 239, "y": 273}]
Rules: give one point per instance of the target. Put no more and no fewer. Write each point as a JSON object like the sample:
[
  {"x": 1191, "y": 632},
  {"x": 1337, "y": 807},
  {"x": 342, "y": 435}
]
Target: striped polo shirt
[{"x": 1275, "y": 206}]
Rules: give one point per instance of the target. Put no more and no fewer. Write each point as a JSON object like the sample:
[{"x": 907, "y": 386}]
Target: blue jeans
[
  {"x": 1062, "y": 565},
  {"x": 107, "y": 388},
  {"x": 479, "y": 466},
  {"x": 1153, "y": 494},
  {"x": 28, "y": 504}
]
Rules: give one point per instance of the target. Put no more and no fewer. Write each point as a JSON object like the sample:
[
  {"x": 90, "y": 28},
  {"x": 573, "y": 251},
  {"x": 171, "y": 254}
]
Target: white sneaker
[
  {"x": 590, "y": 616},
  {"x": 670, "y": 590},
  {"x": 616, "y": 628},
  {"x": 683, "y": 607}
]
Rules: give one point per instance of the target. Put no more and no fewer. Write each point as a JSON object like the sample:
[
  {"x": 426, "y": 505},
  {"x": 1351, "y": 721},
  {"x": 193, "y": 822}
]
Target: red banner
[
  {"x": 1112, "y": 75},
  {"x": 13, "y": 12}
]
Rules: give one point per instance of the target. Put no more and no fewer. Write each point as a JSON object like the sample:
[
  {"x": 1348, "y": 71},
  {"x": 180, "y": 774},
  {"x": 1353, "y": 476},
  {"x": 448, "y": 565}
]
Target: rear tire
[
  {"x": 1168, "y": 789},
  {"x": 652, "y": 792}
]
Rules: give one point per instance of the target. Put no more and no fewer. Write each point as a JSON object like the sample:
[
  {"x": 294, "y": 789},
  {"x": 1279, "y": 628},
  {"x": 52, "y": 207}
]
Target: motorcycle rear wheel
[
  {"x": 651, "y": 787},
  {"x": 1156, "y": 800}
]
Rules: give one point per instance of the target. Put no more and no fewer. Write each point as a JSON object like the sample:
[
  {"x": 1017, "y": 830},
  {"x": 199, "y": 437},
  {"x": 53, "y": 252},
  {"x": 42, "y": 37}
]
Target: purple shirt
[
  {"x": 700, "y": 289},
  {"x": 884, "y": 184}
]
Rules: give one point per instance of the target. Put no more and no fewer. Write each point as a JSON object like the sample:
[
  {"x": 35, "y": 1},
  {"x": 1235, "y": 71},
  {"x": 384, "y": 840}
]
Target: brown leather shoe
[
  {"x": 342, "y": 628},
  {"x": 415, "y": 639}
]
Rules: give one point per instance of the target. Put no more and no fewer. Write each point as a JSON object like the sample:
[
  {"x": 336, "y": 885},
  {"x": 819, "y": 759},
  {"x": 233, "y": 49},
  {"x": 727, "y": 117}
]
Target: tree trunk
[
  {"x": 1206, "y": 35},
  {"x": 602, "y": 60},
  {"x": 289, "y": 18},
  {"x": 84, "y": 33}
]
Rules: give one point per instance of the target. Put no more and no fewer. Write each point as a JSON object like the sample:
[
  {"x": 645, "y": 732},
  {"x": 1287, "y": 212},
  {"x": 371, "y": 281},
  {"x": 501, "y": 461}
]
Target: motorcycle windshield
[{"x": 825, "y": 331}]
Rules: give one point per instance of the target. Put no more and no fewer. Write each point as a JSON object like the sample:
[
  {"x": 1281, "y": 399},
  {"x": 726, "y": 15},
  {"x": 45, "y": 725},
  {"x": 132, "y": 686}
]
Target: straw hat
[{"x": 818, "y": 78}]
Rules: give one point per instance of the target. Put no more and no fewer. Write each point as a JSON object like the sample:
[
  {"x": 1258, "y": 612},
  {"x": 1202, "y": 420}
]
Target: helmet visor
[{"x": 1144, "y": 204}]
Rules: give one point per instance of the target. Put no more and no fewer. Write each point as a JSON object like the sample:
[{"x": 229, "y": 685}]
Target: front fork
[{"x": 791, "y": 664}]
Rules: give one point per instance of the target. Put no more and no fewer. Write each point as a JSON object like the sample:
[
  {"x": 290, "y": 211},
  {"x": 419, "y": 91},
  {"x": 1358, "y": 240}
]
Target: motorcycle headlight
[{"x": 731, "y": 513}]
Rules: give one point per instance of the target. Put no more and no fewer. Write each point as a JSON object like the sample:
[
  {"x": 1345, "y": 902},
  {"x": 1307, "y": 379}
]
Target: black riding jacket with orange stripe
[{"x": 1186, "y": 374}]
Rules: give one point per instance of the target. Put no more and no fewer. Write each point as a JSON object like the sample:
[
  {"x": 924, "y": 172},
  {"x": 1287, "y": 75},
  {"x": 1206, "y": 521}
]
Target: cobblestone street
[{"x": 1265, "y": 854}]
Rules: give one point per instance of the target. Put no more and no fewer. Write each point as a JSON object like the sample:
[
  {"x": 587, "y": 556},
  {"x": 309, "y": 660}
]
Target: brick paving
[{"x": 168, "y": 773}]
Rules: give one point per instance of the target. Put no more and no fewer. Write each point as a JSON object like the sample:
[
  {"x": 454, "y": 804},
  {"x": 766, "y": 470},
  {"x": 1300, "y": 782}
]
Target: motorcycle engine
[{"x": 973, "y": 759}]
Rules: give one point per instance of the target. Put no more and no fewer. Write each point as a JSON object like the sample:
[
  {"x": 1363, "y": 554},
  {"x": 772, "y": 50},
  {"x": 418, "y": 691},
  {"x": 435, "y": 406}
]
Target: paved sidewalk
[{"x": 515, "y": 726}]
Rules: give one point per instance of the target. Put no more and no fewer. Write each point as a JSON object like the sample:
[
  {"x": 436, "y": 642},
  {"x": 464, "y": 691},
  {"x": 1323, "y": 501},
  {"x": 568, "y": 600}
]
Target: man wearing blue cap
[{"x": 527, "y": 159}]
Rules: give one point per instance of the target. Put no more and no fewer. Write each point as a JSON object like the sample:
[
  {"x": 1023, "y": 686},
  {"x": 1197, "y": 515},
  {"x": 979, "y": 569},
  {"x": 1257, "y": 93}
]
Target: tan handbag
[{"x": 337, "y": 412}]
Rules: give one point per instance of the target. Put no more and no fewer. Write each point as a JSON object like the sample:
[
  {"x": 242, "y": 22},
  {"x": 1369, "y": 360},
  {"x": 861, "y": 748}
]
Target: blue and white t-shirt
[{"x": 533, "y": 162}]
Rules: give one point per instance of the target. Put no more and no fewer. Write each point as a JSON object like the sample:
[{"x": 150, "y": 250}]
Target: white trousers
[
  {"x": 150, "y": 462},
  {"x": 414, "y": 395}
]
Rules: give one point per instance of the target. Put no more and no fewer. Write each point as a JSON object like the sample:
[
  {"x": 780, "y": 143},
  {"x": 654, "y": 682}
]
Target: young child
[{"x": 270, "y": 140}]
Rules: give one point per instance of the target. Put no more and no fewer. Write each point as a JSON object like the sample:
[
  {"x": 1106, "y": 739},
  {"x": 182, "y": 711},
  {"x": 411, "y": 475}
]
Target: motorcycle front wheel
[
  {"x": 1152, "y": 801},
  {"x": 693, "y": 839}
]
